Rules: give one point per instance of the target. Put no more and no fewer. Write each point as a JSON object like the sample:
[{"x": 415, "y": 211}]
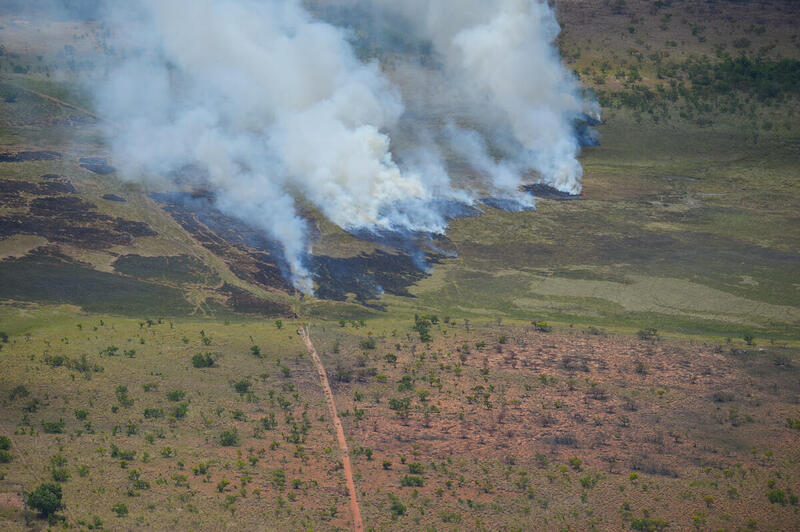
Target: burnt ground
[
  {"x": 98, "y": 165},
  {"x": 246, "y": 251},
  {"x": 255, "y": 258},
  {"x": 243, "y": 301},
  {"x": 48, "y": 277},
  {"x": 180, "y": 269},
  {"x": 51, "y": 210},
  {"x": 25, "y": 156},
  {"x": 540, "y": 190}
]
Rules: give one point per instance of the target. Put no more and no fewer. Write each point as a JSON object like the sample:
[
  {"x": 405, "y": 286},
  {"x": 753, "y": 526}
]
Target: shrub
[
  {"x": 5, "y": 456},
  {"x": 110, "y": 351},
  {"x": 120, "y": 508},
  {"x": 46, "y": 498},
  {"x": 116, "y": 452},
  {"x": 576, "y": 463},
  {"x": 180, "y": 410},
  {"x": 243, "y": 386},
  {"x": 81, "y": 414},
  {"x": 411, "y": 481},
  {"x": 176, "y": 395},
  {"x": 342, "y": 374},
  {"x": 255, "y": 351},
  {"x": 19, "y": 391},
  {"x": 203, "y": 360},
  {"x": 60, "y": 474},
  {"x": 5, "y": 443},
  {"x": 645, "y": 524},
  {"x": 397, "y": 508},
  {"x": 369, "y": 343},
  {"x": 53, "y": 427},
  {"x": 415, "y": 468},
  {"x": 648, "y": 334},
  {"x": 153, "y": 413},
  {"x": 229, "y": 438}
]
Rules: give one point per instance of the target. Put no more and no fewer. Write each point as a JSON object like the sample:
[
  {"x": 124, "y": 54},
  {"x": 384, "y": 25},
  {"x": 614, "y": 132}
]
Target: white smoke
[
  {"x": 499, "y": 57},
  {"x": 274, "y": 103}
]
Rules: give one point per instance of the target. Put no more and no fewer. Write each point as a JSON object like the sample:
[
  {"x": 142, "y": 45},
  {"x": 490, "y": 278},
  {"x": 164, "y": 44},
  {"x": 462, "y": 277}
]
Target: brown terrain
[{"x": 579, "y": 427}]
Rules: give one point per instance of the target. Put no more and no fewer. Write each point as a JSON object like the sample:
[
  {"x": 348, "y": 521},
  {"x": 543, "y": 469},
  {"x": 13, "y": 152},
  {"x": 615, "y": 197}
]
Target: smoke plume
[{"x": 273, "y": 103}]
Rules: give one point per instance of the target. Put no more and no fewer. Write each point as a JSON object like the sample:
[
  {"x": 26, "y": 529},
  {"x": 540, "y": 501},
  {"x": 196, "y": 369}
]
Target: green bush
[
  {"x": 5, "y": 456},
  {"x": 120, "y": 508},
  {"x": 53, "y": 427},
  {"x": 176, "y": 395},
  {"x": 203, "y": 360},
  {"x": 243, "y": 386},
  {"x": 180, "y": 410},
  {"x": 229, "y": 438},
  {"x": 60, "y": 474},
  {"x": 46, "y": 498},
  {"x": 5, "y": 443},
  {"x": 369, "y": 343},
  {"x": 411, "y": 481},
  {"x": 397, "y": 508}
]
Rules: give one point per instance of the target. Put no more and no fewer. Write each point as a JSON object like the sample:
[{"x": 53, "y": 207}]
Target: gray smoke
[{"x": 274, "y": 103}]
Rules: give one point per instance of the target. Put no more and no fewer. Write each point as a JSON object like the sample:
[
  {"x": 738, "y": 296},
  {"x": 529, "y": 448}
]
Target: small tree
[
  {"x": 46, "y": 499},
  {"x": 229, "y": 438},
  {"x": 202, "y": 360}
]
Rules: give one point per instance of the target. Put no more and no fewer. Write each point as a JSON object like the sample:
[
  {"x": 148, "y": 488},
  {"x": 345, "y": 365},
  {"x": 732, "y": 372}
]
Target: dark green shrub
[
  {"x": 229, "y": 438},
  {"x": 53, "y": 427},
  {"x": 120, "y": 508},
  {"x": 176, "y": 395},
  {"x": 46, "y": 498},
  {"x": 180, "y": 410},
  {"x": 397, "y": 508},
  {"x": 369, "y": 343},
  {"x": 203, "y": 360},
  {"x": 60, "y": 474},
  {"x": 242, "y": 387},
  {"x": 411, "y": 481},
  {"x": 5, "y": 443}
]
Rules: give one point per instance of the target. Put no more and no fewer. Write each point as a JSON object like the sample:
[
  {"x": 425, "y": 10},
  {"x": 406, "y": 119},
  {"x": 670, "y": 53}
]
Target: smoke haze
[{"x": 273, "y": 103}]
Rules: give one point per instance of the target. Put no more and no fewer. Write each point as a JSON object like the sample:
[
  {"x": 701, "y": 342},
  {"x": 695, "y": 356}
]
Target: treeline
[{"x": 704, "y": 86}]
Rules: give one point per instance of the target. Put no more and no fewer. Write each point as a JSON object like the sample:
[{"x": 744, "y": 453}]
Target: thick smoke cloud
[
  {"x": 272, "y": 104},
  {"x": 504, "y": 74}
]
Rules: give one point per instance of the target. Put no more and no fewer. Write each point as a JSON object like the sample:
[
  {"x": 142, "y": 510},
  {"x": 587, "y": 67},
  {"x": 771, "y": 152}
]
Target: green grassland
[{"x": 131, "y": 386}]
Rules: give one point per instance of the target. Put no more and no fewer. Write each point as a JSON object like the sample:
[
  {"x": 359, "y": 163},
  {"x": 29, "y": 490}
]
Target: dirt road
[{"x": 355, "y": 511}]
